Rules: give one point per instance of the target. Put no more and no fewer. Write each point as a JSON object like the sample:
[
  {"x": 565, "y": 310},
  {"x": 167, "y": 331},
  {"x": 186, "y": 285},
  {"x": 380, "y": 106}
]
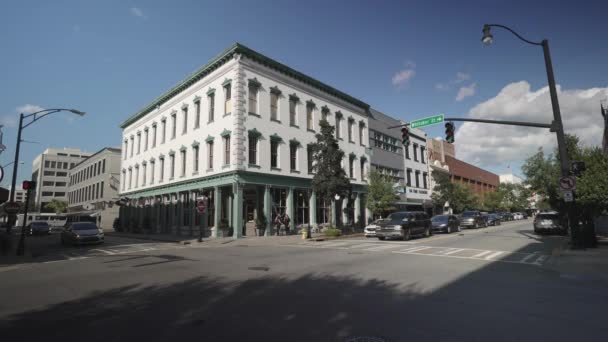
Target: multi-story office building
[
  {"x": 19, "y": 195},
  {"x": 408, "y": 167},
  {"x": 93, "y": 187},
  {"x": 238, "y": 131},
  {"x": 50, "y": 171}
]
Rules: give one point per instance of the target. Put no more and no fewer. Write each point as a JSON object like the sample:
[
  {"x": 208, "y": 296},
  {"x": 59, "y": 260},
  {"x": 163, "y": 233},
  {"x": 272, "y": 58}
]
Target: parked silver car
[
  {"x": 77, "y": 233},
  {"x": 548, "y": 222},
  {"x": 370, "y": 229}
]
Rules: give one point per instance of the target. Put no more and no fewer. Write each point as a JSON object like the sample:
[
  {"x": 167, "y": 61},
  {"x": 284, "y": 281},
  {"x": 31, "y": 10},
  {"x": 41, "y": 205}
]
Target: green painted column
[
  {"x": 291, "y": 206},
  {"x": 171, "y": 214},
  {"x": 358, "y": 219},
  {"x": 313, "y": 208},
  {"x": 230, "y": 204},
  {"x": 180, "y": 212},
  {"x": 333, "y": 212},
  {"x": 192, "y": 207},
  {"x": 237, "y": 209},
  {"x": 217, "y": 203},
  {"x": 268, "y": 210}
]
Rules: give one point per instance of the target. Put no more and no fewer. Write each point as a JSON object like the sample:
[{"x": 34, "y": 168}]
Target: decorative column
[
  {"x": 237, "y": 209},
  {"x": 217, "y": 203},
  {"x": 192, "y": 195},
  {"x": 358, "y": 219},
  {"x": 239, "y": 113},
  {"x": 344, "y": 211},
  {"x": 313, "y": 208},
  {"x": 230, "y": 204},
  {"x": 267, "y": 210},
  {"x": 171, "y": 215},
  {"x": 333, "y": 213},
  {"x": 291, "y": 203}
]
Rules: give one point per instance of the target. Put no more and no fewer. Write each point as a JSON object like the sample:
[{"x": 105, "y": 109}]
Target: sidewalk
[{"x": 587, "y": 264}]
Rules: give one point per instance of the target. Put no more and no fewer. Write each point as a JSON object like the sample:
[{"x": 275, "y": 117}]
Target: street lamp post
[
  {"x": 557, "y": 126},
  {"x": 35, "y": 117}
]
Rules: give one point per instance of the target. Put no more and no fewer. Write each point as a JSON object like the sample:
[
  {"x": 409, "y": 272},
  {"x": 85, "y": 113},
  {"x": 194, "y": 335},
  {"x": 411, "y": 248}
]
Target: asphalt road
[{"x": 491, "y": 284}]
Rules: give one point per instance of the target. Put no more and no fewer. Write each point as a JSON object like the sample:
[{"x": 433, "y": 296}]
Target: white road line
[
  {"x": 334, "y": 244},
  {"x": 540, "y": 260},
  {"x": 479, "y": 255},
  {"x": 493, "y": 255},
  {"x": 104, "y": 251},
  {"x": 410, "y": 249},
  {"x": 381, "y": 248},
  {"x": 525, "y": 259},
  {"x": 454, "y": 251},
  {"x": 363, "y": 245}
]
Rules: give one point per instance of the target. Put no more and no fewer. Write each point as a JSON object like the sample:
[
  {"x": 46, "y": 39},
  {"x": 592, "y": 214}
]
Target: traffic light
[
  {"x": 29, "y": 185},
  {"x": 405, "y": 136},
  {"x": 449, "y": 132}
]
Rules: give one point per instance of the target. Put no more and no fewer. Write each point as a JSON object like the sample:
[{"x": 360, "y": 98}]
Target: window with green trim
[
  {"x": 183, "y": 160},
  {"x": 292, "y": 112},
  {"x": 226, "y": 150},
  {"x": 274, "y": 153},
  {"x": 293, "y": 157},
  {"x": 310, "y": 117},
  {"x": 227, "y": 99},
  {"x": 172, "y": 166},
  {"x": 274, "y": 106},
  {"x": 253, "y": 149},
  {"x": 197, "y": 114},
  {"x": 253, "y": 98},
  {"x": 210, "y": 154},
  {"x": 185, "y": 118},
  {"x": 195, "y": 151},
  {"x": 211, "y": 101},
  {"x": 173, "y": 125}
]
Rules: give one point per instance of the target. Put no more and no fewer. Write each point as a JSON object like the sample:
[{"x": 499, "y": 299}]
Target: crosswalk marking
[
  {"x": 334, "y": 244},
  {"x": 417, "y": 249},
  {"x": 454, "y": 251},
  {"x": 525, "y": 259},
  {"x": 409, "y": 249},
  {"x": 539, "y": 261},
  {"x": 363, "y": 245},
  {"x": 479, "y": 255},
  {"x": 104, "y": 251},
  {"x": 493, "y": 255},
  {"x": 381, "y": 247}
]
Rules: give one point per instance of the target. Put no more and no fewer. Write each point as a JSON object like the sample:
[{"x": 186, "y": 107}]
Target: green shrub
[{"x": 332, "y": 232}]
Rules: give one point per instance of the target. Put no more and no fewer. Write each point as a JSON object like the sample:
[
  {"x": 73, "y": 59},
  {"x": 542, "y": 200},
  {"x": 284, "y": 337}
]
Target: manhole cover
[{"x": 259, "y": 268}]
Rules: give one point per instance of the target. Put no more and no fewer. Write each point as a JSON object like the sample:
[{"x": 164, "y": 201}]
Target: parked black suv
[
  {"x": 404, "y": 224},
  {"x": 472, "y": 219}
]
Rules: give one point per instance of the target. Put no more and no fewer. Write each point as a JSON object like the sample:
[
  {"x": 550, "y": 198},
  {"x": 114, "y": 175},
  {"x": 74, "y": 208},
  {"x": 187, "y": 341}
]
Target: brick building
[{"x": 480, "y": 180}]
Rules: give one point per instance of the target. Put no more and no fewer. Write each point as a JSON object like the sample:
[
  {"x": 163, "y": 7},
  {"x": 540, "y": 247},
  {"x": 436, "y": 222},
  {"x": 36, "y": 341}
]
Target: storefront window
[
  {"x": 279, "y": 202},
  {"x": 302, "y": 210},
  {"x": 323, "y": 211}
]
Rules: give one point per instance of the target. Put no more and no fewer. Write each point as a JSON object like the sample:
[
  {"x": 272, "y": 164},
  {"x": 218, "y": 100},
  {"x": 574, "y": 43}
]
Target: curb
[{"x": 152, "y": 238}]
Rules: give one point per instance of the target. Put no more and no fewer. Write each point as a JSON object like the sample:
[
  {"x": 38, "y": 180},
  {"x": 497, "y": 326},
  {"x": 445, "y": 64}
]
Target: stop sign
[
  {"x": 201, "y": 204},
  {"x": 12, "y": 207}
]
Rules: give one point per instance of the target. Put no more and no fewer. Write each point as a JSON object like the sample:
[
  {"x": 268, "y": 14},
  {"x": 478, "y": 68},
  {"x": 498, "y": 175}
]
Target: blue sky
[{"x": 408, "y": 59}]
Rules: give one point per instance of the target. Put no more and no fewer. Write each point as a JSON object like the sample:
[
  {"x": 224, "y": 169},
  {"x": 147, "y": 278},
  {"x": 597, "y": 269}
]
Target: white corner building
[{"x": 237, "y": 130}]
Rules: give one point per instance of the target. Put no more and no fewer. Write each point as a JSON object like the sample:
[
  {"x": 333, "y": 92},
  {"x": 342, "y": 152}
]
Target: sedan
[
  {"x": 370, "y": 229},
  {"x": 38, "y": 227},
  {"x": 445, "y": 223},
  {"x": 77, "y": 233},
  {"x": 493, "y": 220}
]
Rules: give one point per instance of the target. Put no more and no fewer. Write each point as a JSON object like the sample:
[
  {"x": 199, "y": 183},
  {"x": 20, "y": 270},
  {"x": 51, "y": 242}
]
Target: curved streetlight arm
[
  {"x": 47, "y": 112},
  {"x": 515, "y": 33}
]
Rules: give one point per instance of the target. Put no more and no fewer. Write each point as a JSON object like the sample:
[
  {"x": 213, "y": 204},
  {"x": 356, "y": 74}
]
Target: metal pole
[
  {"x": 561, "y": 142},
  {"x": 21, "y": 246},
  {"x": 13, "y": 220}
]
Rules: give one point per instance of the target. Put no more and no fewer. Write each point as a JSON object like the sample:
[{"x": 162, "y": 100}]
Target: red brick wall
[{"x": 480, "y": 180}]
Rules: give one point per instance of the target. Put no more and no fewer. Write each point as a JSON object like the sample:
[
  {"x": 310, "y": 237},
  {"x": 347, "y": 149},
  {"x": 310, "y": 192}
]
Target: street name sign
[
  {"x": 432, "y": 120},
  {"x": 568, "y": 196},
  {"x": 567, "y": 183}
]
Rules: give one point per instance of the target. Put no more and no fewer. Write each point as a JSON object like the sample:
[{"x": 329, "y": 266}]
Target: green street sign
[{"x": 432, "y": 120}]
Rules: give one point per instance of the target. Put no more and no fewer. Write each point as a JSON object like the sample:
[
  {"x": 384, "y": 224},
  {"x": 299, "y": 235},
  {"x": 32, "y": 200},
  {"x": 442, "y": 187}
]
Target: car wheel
[{"x": 381, "y": 238}]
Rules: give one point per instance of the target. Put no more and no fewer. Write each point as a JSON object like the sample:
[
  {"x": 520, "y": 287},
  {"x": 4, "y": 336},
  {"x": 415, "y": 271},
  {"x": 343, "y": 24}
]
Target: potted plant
[{"x": 260, "y": 224}]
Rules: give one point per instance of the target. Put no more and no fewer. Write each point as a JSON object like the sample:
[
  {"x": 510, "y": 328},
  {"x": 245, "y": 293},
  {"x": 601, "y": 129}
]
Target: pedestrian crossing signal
[
  {"x": 449, "y": 132},
  {"x": 29, "y": 185}
]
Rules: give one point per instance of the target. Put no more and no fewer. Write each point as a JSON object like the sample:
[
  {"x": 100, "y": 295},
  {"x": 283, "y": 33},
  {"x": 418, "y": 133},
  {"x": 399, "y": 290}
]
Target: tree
[
  {"x": 459, "y": 196},
  {"x": 57, "y": 206},
  {"x": 330, "y": 178},
  {"x": 380, "y": 196}
]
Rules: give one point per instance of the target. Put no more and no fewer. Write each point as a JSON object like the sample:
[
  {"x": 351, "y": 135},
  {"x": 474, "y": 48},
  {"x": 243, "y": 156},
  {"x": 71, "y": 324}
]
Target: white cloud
[
  {"x": 403, "y": 76},
  {"x": 442, "y": 86},
  {"x": 29, "y": 108},
  {"x": 489, "y": 145},
  {"x": 466, "y": 91},
  {"x": 461, "y": 77},
  {"x": 8, "y": 120},
  {"x": 136, "y": 11}
]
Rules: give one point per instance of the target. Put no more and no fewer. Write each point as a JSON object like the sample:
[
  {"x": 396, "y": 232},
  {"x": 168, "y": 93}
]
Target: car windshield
[
  {"x": 440, "y": 218},
  {"x": 394, "y": 217},
  {"x": 83, "y": 226},
  {"x": 469, "y": 213}
]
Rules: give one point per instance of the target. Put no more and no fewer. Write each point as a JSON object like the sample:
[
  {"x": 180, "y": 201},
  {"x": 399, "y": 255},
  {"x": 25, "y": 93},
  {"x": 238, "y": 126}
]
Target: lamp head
[
  {"x": 487, "y": 38},
  {"x": 77, "y": 112}
]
